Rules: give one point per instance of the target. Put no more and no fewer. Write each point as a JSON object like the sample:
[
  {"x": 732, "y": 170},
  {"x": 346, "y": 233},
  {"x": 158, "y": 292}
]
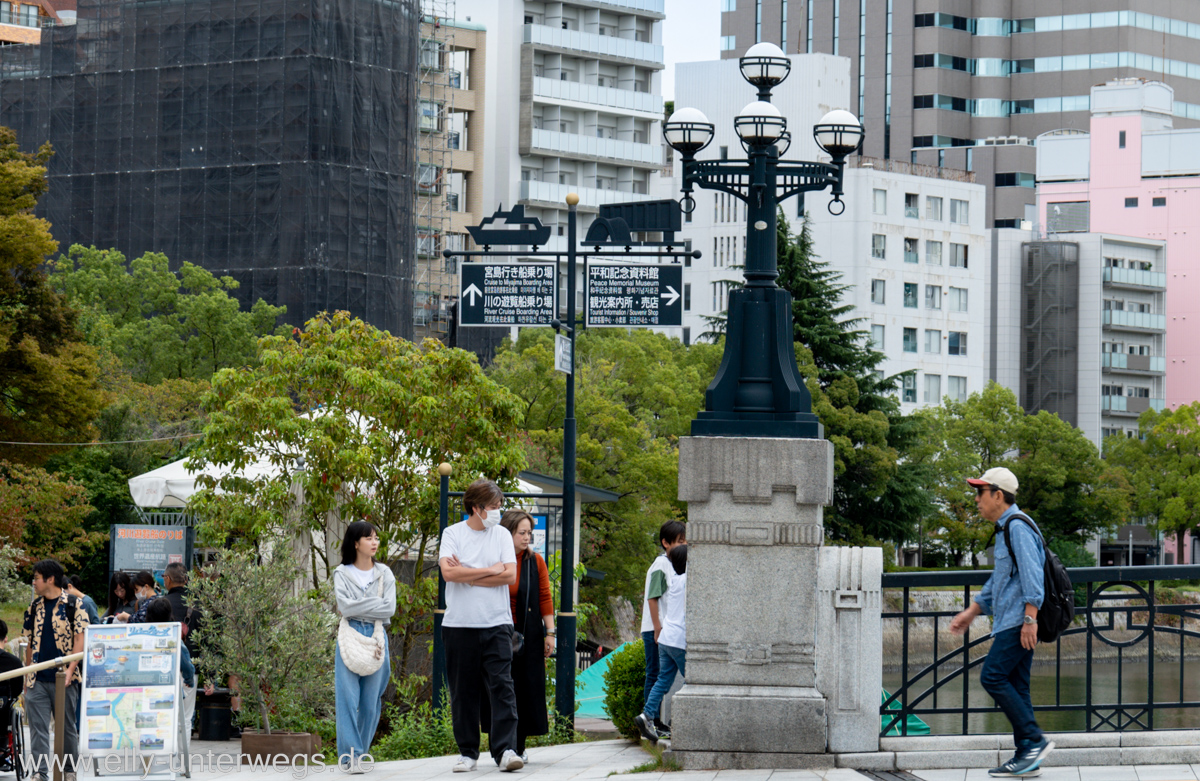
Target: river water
[{"x": 1071, "y": 690}]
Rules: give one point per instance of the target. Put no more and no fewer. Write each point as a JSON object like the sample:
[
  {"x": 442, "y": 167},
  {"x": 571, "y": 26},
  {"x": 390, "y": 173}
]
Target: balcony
[
  {"x": 593, "y": 44},
  {"x": 606, "y": 97},
  {"x": 1135, "y": 364},
  {"x": 547, "y": 192},
  {"x": 1130, "y": 406},
  {"x": 1135, "y": 321},
  {"x": 1134, "y": 278},
  {"x": 622, "y": 152},
  {"x": 658, "y": 7}
]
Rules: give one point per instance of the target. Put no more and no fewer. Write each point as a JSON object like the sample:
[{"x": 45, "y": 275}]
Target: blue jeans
[
  {"x": 670, "y": 659},
  {"x": 358, "y": 699},
  {"x": 1005, "y": 676},
  {"x": 651, "y": 647}
]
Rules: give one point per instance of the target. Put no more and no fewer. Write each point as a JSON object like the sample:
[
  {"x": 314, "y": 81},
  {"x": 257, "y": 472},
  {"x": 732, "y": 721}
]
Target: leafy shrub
[
  {"x": 624, "y": 681},
  {"x": 560, "y": 732},
  {"x": 418, "y": 733}
]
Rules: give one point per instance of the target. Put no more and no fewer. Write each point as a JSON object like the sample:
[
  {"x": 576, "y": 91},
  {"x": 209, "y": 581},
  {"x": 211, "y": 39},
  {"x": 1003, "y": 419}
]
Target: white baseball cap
[{"x": 997, "y": 477}]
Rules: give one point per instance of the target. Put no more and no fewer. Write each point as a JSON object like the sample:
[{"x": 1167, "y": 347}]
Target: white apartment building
[
  {"x": 1085, "y": 335},
  {"x": 574, "y": 104},
  {"x": 817, "y": 84},
  {"x": 912, "y": 246}
]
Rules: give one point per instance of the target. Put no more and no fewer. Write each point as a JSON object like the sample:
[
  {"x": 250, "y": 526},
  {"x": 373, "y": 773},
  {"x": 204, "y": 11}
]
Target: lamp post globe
[
  {"x": 688, "y": 131},
  {"x": 765, "y": 66},
  {"x": 760, "y": 123},
  {"x": 839, "y": 133}
]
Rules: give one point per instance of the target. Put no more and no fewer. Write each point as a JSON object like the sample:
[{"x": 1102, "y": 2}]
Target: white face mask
[{"x": 491, "y": 519}]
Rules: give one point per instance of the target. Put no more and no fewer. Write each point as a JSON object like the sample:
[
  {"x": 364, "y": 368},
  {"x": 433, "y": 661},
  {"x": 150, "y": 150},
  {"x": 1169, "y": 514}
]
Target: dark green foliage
[
  {"x": 417, "y": 733},
  {"x": 624, "y": 681}
]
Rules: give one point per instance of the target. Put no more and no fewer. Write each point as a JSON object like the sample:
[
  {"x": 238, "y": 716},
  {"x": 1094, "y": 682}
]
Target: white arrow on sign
[
  {"x": 472, "y": 291},
  {"x": 671, "y": 297}
]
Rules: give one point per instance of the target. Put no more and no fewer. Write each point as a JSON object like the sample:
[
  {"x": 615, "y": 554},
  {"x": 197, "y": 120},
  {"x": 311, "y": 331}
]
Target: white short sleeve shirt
[{"x": 477, "y": 607}]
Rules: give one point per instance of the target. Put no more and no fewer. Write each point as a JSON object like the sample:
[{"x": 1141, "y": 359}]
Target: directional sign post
[
  {"x": 630, "y": 295},
  {"x": 507, "y": 294}
]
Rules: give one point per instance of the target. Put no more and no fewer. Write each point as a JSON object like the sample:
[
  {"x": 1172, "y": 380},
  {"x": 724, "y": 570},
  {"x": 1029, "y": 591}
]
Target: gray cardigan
[{"x": 363, "y": 604}]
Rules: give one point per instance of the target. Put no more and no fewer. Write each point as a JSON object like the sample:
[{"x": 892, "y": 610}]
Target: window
[
  {"x": 1015, "y": 180},
  {"x": 933, "y": 253},
  {"x": 958, "y": 299},
  {"x": 958, "y": 343},
  {"x": 933, "y": 297},
  {"x": 1131, "y": 203},
  {"x": 922, "y": 101},
  {"x": 912, "y": 205},
  {"x": 910, "y": 295},
  {"x": 1121, "y": 139},
  {"x": 957, "y": 388},
  {"x": 933, "y": 208},
  {"x": 879, "y": 245},
  {"x": 910, "y": 388},
  {"x": 958, "y": 255},
  {"x": 878, "y": 287},
  {"x": 959, "y": 211},
  {"x": 933, "y": 388},
  {"x": 910, "y": 340},
  {"x": 933, "y": 342},
  {"x": 431, "y": 53},
  {"x": 429, "y": 116},
  {"x": 1158, "y": 202},
  {"x": 687, "y": 298},
  {"x": 923, "y": 61},
  {"x": 1008, "y": 223},
  {"x": 728, "y": 6},
  {"x": 728, "y": 43},
  {"x": 880, "y": 201},
  {"x": 428, "y": 178},
  {"x": 910, "y": 251},
  {"x": 877, "y": 337},
  {"x": 724, "y": 152},
  {"x": 687, "y": 336}
]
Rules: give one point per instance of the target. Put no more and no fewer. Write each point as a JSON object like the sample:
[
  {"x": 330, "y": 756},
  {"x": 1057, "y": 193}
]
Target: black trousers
[{"x": 479, "y": 664}]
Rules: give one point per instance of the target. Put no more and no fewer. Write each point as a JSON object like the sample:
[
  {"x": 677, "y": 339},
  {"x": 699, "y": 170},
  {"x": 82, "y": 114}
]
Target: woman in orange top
[{"x": 533, "y": 617}]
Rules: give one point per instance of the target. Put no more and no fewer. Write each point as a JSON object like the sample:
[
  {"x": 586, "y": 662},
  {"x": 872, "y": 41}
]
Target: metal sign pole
[
  {"x": 564, "y": 679},
  {"x": 439, "y": 646}
]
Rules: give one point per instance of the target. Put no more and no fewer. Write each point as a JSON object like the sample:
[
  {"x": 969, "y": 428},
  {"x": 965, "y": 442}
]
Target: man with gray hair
[{"x": 175, "y": 580}]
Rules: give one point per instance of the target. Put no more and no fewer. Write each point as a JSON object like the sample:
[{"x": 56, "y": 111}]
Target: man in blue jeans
[
  {"x": 670, "y": 535},
  {"x": 1013, "y": 600}
]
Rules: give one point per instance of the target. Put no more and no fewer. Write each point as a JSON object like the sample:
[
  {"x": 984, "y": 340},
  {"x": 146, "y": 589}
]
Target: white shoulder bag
[{"x": 362, "y": 655}]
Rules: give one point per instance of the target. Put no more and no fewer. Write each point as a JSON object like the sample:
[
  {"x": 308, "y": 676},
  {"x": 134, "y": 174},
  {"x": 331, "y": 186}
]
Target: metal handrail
[
  {"x": 61, "y": 661},
  {"x": 60, "y": 700}
]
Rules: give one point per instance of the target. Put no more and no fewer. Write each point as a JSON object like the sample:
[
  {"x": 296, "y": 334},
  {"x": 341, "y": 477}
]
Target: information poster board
[
  {"x": 137, "y": 547},
  {"x": 131, "y": 690}
]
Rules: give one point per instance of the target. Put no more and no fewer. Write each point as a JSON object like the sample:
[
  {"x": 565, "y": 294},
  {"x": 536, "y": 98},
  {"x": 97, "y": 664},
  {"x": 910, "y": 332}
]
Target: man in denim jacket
[{"x": 1013, "y": 601}]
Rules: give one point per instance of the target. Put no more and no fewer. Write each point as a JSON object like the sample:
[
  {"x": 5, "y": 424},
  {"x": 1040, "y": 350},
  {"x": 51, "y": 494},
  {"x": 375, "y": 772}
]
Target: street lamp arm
[
  {"x": 797, "y": 178},
  {"x": 734, "y": 178}
]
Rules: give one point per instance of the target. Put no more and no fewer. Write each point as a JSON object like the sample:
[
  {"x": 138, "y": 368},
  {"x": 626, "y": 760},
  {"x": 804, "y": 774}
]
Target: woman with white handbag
[{"x": 366, "y": 600}]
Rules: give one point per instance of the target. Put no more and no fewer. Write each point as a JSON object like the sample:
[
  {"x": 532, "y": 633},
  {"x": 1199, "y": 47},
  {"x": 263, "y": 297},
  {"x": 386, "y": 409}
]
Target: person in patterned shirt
[{"x": 54, "y": 624}]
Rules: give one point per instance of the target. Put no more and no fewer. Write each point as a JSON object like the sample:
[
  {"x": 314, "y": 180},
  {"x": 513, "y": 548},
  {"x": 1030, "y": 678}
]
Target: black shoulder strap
[{"x": 1008, "y": 538}]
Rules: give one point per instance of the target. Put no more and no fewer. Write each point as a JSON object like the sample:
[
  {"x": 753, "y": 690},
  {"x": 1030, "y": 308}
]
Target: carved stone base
[{"x": 750, "y": 720}]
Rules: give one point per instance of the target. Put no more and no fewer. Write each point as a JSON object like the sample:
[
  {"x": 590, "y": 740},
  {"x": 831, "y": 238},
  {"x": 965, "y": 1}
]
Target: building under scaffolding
[
  {"x": 1050, "y": 329},
  {"x": 272, "y": 141}
]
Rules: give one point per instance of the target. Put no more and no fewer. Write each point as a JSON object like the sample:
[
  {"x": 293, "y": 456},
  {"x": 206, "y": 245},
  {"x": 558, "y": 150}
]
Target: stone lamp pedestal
[{"x": 783, "y": 636}]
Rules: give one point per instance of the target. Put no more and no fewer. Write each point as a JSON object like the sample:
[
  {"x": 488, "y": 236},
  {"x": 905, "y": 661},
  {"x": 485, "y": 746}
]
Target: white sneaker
[
  {"x": 509, "y": 761},
  {"x": 464, "y": 765},
  {"x": 525, "y": 757}
]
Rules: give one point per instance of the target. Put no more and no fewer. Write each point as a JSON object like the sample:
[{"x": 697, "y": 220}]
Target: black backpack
[{"x": 1058, "y": 603}]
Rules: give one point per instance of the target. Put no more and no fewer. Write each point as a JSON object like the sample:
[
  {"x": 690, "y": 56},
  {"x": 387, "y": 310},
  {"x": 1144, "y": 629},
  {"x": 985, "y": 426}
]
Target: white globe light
[
  {"x": 839, "y": 133},
  {"x": 760, "y": 123},
  {"x": 765, "y": 65},
  {"x": 688, "y": 130}
]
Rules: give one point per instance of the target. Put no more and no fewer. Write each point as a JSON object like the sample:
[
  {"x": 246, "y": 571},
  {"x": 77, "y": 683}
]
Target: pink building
[{"x": 1134, "y": 175}]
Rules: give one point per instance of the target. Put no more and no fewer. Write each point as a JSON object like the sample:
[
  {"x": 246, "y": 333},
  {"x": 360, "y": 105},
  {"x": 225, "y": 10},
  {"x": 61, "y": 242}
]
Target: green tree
[
  {"x": 42, "y": 515},
  {"x": 1163, "y": 468},
  {"x": 49, "y": 390},
  {"x": 161, "y": 324},
  {"x": 349, "y": 423},
  {"x": 636, "y": 394}
]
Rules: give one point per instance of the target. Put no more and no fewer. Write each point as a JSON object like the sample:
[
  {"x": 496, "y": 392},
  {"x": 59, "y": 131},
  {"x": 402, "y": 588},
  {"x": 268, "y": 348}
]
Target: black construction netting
[{"x": 272, "y": 141}]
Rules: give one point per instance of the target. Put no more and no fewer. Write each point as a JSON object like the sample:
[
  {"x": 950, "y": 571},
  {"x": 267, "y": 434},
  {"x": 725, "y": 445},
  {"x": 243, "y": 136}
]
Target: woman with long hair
[
  {"x": 120, "y": 595},
  {"x": 145, "y": 588},
  {"x": 366, "y": 600},
  {"x": 533, "y": 617}
]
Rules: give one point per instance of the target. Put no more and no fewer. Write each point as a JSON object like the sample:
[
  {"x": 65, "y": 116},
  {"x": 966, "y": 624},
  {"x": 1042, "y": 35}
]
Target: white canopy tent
[{"x": 173, "y": 485}]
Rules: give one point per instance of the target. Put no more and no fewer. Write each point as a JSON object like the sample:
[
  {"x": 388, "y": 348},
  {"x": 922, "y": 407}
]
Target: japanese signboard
[
  {"x": 137, "y": 547},
  {"x": 628, "y": 295},
  {"x": 131, "y": 689},
  {"x": 507, "y": 293}
]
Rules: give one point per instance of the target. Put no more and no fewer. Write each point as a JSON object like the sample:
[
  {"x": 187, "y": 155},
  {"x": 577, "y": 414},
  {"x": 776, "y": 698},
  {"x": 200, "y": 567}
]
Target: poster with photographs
[{"x": 131, "y": 689}]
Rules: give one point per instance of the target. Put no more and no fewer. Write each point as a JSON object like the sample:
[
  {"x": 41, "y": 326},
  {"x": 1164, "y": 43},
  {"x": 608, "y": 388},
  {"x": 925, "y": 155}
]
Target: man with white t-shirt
[
  {"x": 670, "y": 534},
  {"x": 478, "y": 563}
]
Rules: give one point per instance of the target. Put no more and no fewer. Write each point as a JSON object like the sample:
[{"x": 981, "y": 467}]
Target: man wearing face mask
[{"x": 478, "y": 563}]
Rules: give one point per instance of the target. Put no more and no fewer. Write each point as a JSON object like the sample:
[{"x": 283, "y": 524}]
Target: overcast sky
[{"x": 691, "y": 33}]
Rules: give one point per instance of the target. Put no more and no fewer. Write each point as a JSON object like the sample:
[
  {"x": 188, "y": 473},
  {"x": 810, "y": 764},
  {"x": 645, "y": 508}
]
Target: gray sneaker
[{"x": 646, "y": 727}]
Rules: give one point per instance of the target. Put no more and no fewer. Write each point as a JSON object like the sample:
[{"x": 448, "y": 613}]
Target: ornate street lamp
[{"x": 758, "y": 390}]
